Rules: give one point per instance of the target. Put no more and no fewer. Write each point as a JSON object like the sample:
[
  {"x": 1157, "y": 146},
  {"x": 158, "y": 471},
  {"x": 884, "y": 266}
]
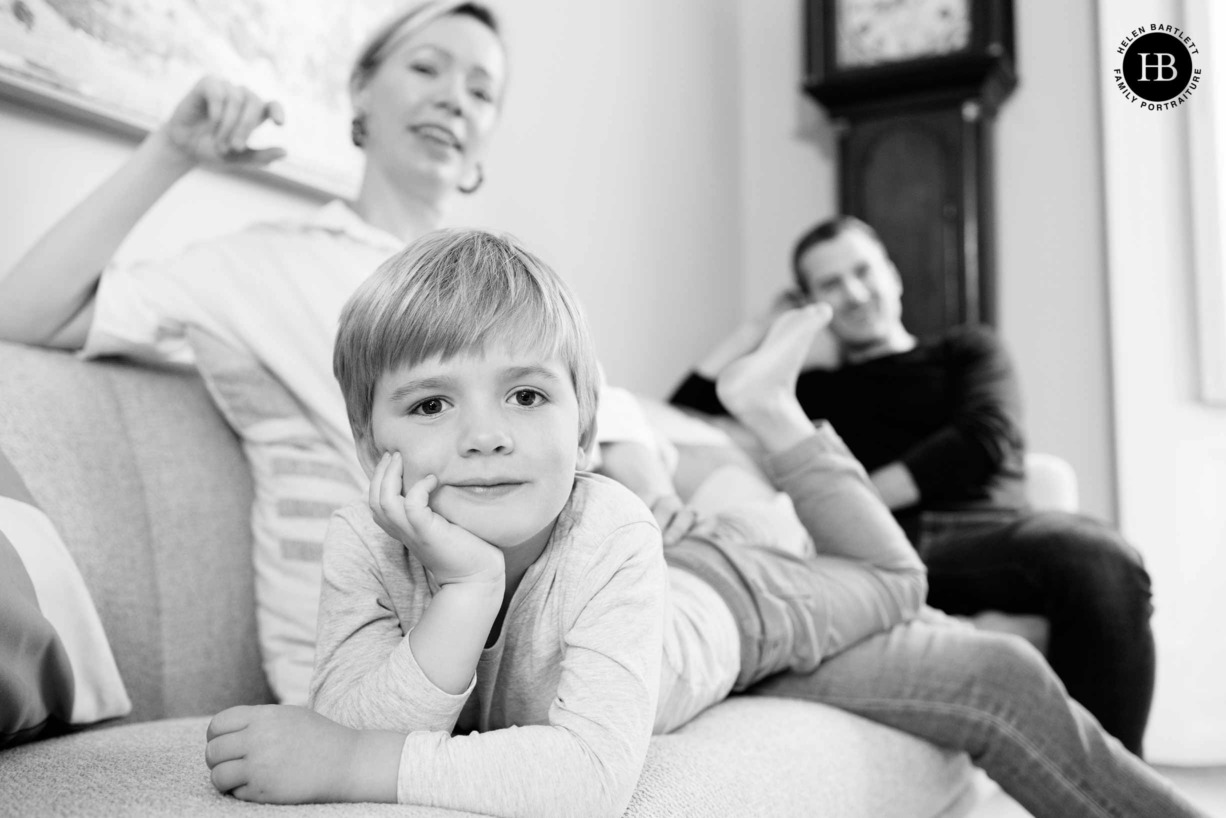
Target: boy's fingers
[
  {"x": 417, "y": 501},
  {"x": 418, "y": 494},
  {"x": 229, "y": 775},
  {"x": 376, "y": 482},
  {"x": 223, "y": 748},
  {"x": 679, "y": 526},
  {"x": 228, "y": 721},
  {"x": 389, "y": 489}
]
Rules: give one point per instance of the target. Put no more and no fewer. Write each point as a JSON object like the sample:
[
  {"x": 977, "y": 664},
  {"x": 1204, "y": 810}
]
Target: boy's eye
[
  {"x": 527, "y": 397},
  {"x": 424, "y": 68},
  {"x": 482, "y": 94},
  {"x": 430, "y": 406}
]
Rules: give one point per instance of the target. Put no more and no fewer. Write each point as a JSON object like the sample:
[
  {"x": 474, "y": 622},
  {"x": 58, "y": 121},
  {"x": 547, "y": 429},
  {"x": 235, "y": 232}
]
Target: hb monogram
[{"x": 1163, "y": 63}]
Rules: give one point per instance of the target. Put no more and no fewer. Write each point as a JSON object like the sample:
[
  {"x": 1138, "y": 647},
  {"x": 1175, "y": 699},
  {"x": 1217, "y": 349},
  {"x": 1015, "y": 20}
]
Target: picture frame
[{"x": 122, "y": 65}]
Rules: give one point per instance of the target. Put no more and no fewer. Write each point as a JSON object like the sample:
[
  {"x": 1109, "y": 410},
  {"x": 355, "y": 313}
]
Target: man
[{"x": 937, "y": 424}]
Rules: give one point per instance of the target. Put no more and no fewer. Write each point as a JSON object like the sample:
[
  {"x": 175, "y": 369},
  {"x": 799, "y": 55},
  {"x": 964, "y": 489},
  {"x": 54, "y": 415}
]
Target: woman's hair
[
  {"x": 411, "y": 20},
  {"x": 454, "y": 292},
  {"x": 828, "y": 230}
]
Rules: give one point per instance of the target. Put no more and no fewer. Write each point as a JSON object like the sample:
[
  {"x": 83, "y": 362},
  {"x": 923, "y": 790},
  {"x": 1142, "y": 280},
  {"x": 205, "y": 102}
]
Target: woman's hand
[
  {"x": 450, "y": 553},
  {"x": 214, "y": 121}
]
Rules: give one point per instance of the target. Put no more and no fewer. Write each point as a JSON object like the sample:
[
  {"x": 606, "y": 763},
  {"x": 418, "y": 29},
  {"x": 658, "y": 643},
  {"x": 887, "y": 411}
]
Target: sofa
[{"x": 148, "y": 489}]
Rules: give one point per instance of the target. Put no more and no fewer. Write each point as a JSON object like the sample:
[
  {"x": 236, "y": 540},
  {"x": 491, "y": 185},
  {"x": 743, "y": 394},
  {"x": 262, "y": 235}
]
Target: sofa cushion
[
  {"x": 748, "y": 756},
  {"x": 56, "y": 666},
  {"x": 149, "y": 490},
  {"x": 299, "y": 481}
]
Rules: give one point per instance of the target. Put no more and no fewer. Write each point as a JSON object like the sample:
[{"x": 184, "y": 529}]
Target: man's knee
[{"x": 1090, "y": 557}]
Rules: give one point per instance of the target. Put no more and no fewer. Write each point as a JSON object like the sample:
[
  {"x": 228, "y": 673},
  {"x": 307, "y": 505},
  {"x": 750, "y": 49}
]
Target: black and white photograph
[{"x": 651, "y": 408}]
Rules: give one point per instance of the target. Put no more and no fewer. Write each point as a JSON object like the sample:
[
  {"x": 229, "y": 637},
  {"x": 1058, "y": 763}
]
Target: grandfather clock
[{"x": 913, "y": 87}]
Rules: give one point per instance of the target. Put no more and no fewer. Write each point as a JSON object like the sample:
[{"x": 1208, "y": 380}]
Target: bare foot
[{"x": 759, "y": 389}]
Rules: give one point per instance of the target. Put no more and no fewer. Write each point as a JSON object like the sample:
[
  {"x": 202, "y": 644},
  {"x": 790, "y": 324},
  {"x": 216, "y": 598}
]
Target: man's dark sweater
[{"x": 948, "y": 409}]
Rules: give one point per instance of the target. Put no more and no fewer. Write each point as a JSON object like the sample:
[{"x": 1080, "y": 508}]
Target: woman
[{"x": 257, "y": 310}]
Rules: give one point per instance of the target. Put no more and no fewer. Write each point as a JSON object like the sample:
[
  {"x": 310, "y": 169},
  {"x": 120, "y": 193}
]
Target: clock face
[{"x": 873, "y": 32}]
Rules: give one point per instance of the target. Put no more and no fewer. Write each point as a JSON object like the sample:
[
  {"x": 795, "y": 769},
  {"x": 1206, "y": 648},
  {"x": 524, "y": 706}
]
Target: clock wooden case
[{"x": 913, "y": 87}]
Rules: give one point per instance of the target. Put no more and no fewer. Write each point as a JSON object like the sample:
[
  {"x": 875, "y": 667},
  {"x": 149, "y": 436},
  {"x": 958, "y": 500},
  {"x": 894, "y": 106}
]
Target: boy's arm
[
  {"x": 366, "y": 673},
  {"x": 587, "y": 759}
]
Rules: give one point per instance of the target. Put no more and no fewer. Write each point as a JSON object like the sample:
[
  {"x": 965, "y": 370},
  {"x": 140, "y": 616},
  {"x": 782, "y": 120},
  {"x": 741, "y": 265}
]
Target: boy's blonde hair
[{"x": 453, "y": 292}]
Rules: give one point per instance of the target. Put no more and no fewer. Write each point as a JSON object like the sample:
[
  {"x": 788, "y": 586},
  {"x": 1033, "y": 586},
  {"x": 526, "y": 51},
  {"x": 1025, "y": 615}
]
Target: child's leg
[
  {"x": 994, "y": 697},
  {"x": 866, "y": 578},
  {"x": 832, "y": 493}
]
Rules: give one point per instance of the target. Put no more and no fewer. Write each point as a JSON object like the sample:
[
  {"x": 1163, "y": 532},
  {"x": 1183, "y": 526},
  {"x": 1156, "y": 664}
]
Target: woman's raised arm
[{"x": 47, "y": 297}]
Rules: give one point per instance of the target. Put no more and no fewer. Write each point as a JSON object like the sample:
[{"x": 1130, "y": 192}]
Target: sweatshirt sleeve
[
  {"x": 587, "y": 759},
  {"x": 366, "y": 676},
  {"x": 697, "y": 392},
  {"x": 983, "y": 432}
]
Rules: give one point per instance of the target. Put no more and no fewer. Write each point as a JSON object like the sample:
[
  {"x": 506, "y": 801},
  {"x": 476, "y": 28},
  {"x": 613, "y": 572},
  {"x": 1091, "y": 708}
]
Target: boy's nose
[{"x": 486, "y": 436}]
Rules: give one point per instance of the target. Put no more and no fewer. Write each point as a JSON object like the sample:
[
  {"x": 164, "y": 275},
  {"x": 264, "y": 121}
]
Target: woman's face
[{"x": 432, "y": 102}]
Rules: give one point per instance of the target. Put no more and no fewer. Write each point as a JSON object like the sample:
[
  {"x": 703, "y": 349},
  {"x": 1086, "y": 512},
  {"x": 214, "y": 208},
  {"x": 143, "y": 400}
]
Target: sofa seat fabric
[{"x": 746, "y": 757}]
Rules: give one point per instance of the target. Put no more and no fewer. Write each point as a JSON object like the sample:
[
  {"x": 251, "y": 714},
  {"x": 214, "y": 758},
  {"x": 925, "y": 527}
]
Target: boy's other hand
[
  {"x": 277, "y": 754},
  {"x": 450, "y": 553},
  {"x": 673, "y": 516}
]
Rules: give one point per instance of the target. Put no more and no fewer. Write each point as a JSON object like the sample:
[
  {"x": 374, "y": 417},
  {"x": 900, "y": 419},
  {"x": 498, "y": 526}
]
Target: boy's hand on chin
[{"x": 450, "y": 553}]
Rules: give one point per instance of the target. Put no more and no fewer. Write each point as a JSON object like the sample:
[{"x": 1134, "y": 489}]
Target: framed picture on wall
[{"x": 123, "y": 64}]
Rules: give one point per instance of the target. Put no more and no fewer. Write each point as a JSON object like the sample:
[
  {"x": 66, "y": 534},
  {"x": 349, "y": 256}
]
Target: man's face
[
  {"x": 854, "y": 276},
  {"x": 499, "y": 430}
]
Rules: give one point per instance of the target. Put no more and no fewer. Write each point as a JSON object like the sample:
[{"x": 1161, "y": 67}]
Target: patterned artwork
[{"x": 125, "y": 63}]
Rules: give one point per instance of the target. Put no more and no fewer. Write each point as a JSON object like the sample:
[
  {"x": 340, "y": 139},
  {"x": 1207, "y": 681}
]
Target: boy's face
[{"x": 499, "y": 430}]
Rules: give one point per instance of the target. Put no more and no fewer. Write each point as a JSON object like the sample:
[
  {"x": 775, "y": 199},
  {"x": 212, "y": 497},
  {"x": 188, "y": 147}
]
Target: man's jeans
[
  {"x": 995, "y": 698},
  {"x": 1075, "y": 571}
]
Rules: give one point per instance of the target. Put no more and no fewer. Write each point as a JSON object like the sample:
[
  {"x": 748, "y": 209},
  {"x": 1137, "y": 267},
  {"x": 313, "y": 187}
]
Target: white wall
[
  {"x": 1171, "y": 448},
  {"x": 46, "y": 165},
  {"x": 1050, "y": 267},
  {"x": 616, "y": 159},
  {"x": 788, "y": 180}
]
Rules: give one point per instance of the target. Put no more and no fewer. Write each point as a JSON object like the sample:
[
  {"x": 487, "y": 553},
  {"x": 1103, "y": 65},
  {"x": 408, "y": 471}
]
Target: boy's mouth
[{"x": 486, "y": 489}]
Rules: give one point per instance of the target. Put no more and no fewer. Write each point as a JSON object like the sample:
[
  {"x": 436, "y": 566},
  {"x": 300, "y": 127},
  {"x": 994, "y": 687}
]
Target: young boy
[
  {"x": 499, "y": 633},
  {"x": 489, "y": 586}
]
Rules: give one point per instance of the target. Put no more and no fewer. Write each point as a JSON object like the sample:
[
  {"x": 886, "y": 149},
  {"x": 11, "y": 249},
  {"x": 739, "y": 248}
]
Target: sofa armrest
[{"x": 1051, "y": 483}]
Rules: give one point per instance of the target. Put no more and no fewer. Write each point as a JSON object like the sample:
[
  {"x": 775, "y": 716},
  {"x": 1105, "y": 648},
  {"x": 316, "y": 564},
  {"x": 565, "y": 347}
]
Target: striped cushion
[
  {"x": 56, "y": 665},
  {"x": 299, "y": 481}
]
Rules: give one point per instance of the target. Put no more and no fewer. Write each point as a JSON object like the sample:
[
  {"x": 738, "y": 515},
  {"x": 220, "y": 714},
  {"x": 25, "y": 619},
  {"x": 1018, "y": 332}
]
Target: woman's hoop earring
[
  {"x": 357, "y": 130},
  {"x": 473, "y": 187}
]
